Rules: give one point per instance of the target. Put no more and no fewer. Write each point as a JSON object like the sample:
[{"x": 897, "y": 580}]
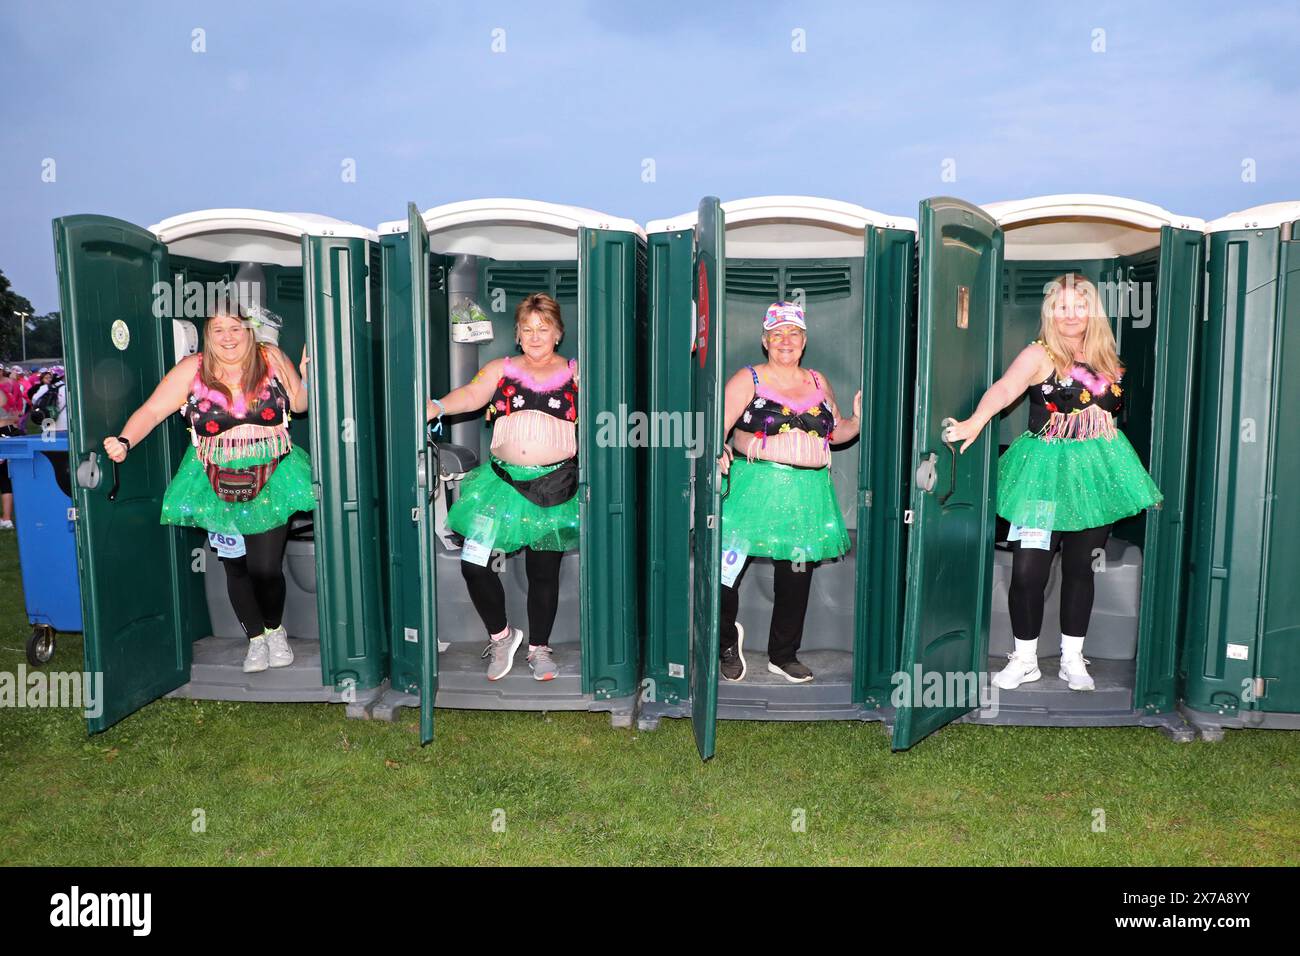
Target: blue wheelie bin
[{"x": 47, "y": 546}]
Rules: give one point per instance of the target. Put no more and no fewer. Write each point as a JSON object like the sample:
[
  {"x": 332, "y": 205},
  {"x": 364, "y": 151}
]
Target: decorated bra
[
  {"x": 518, "y": 391},
  {"x": 224, "y": 432},
  {"x": 1078, "y": 406},
  {"x": 771, "y": 413}
]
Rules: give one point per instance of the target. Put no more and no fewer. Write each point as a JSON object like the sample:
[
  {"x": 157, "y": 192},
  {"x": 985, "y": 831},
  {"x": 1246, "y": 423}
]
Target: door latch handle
[
  {"x": 88, "y": 473},
  {"x": 927, "y": 473},
  {"x": 952, "y": 453}
]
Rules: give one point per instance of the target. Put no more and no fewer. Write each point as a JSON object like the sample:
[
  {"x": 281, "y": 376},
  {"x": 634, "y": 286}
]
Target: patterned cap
[{"x": 783, "y": 313}]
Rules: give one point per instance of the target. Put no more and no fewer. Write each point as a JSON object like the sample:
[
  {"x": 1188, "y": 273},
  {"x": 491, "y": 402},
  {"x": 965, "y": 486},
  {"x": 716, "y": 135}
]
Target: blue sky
[{"x": 141, "y": 127}]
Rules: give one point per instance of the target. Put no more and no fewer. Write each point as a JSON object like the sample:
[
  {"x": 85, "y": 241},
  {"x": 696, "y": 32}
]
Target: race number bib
[
  {"x": 733, "y": 559},
  {"x": 227, "y": 545},
  {"x": 478, "y": 544},
  {"x": 1040, "y": 538}
]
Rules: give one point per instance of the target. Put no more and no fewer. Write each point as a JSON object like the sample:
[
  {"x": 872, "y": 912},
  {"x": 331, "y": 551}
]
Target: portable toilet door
[
  {"x": 157, "y": 619},
  {"x": 476, "y": 260},
  {"x": 712, "y": 274},
  {"x": 1241, "y": 657},
  {"x": 1147, "y": 265}
]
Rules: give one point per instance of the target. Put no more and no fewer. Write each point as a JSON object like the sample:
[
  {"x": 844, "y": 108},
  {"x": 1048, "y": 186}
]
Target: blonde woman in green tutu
[
  {"x": 526, "y": 495},
  {"x": 780, "y": 502},
  {"x": 1068, "y": 478},
  {"x": 241, "y": 480}
]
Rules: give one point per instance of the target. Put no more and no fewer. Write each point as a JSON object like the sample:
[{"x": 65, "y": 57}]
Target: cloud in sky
[{"x": 142, "y": 128}]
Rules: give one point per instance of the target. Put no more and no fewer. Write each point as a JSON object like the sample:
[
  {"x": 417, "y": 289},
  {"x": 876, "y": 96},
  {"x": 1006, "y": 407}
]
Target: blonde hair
[{"x": 1098, "y": 340}]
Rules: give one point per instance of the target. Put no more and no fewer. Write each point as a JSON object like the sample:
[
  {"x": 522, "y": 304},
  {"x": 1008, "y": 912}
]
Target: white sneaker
[
  {"x": 6, "y": 525},
  {"x": 277, "y": 643},
  {"x": 258, "y": 656},
  {"x": 1074, "y": 673},
  {"x": 1019, "y": 670}
]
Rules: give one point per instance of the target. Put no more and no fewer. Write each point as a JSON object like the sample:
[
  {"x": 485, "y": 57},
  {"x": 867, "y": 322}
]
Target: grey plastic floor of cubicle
[
  {"x": 1047, "y": 702},
  {"x": 462, "y": 671}
]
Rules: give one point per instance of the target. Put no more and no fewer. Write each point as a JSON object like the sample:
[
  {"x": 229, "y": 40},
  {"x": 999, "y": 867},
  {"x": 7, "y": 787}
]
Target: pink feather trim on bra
[
  {"x": 551, "y": 383},
  {"x": 798, "y": 408}
]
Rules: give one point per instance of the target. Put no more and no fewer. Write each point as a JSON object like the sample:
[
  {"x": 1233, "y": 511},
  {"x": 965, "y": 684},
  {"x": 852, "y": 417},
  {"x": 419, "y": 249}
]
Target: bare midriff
[
  {"x": 532, "y": 437},
  {"x": 787, "y": 448}
]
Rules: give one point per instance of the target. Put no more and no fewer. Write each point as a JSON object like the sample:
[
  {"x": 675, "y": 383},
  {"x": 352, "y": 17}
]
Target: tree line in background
[{"x": 44, "y": 335}]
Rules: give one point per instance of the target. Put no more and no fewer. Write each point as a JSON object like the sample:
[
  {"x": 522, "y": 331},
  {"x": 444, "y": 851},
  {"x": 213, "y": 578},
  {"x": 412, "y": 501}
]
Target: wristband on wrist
[
  {"x": 441, "y": 411},
  {"x": 125, "y": 441}
]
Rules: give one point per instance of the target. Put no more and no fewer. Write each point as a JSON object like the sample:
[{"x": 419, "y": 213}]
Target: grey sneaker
[
  {"x": 258, "y": 656},
  {"x": 541, "y": 662},
  {"x": 277, "y": 642},
  {"x": 502, "y": 654}
]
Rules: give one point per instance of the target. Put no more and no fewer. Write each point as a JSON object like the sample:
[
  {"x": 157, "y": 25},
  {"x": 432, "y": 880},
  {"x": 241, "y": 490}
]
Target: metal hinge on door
[
  {"x": 907, "y": 516},
  {"x": 866, "y": 498},
  {"x": 415, "y": 516},
  {"x": 1261, "y": 687}
]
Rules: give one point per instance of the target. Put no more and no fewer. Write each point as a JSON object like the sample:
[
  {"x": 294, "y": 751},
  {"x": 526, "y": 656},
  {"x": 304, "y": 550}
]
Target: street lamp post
[{"x": 22, "y": 327}]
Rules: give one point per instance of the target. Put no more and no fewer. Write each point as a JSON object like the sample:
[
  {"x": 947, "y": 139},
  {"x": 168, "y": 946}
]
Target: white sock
[
  {"x": 1071, "y": 646},
  {"x": 1027, "y": 649},
  {"x": 503, "y": 635}
]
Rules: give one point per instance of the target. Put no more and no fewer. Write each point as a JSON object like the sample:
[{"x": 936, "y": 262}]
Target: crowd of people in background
[{"x": 27, "y": 400}]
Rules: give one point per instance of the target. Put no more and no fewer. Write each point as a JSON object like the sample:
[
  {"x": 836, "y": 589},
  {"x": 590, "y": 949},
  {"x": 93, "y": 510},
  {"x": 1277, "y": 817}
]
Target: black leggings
[
  {"x": 489, "y": 597},
  {"x": 255, "y": 581},
  {"x": 790, "y": 606},
  {"x": 1029, "y": 570}
]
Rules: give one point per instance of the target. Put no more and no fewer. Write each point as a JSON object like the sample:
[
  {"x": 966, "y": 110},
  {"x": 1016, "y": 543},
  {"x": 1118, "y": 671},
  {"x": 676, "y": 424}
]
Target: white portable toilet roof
[
  {"x": 250, "y": 235},
  {"x": 1082, "y": 226},
  {"x": 769, "y": 227},
  {"x": 1268, "y": 216},
  {"x": 510, "y": 229}
]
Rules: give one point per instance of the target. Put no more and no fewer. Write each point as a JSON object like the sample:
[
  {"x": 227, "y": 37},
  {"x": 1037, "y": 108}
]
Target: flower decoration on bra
[
  {"x": 204, "y": 405},
  {"x": 783, "y": 428},
  {"x": 1047, "y": 388},
  {"x": 508, "y": 391},
  {"x": 501, "y": 406},
  {"x": 553, "y": 402},
  {"x": 785, "y": 409},
  {"x": 518, "y": 401},
  {"x": 747, "y": 417},
  {"x": 211, "y": 428},
  {"x": 571, "y": 414},
  {"x": 760, "y": 402},
  {"x": 268, "y": 414},
  {"x": 568, "y": 396},
  {"x": 814, "y": 411},
  {"x": 812, "y": 433},
  {"x": 1085, "y": 396},
  {"x": 1116, "y": 391},
  {"x": 501, "y": 381},
  {"x": 1051, "y": 407}
]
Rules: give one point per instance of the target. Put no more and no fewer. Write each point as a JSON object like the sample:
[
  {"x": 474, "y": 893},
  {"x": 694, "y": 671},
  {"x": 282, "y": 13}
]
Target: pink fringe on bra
[
  {"x": 1090, "y": 422},
  {"x": 551, "y": 384},
  {"x": 538, "y": 427},
  {"x": 243, "y": 441}
]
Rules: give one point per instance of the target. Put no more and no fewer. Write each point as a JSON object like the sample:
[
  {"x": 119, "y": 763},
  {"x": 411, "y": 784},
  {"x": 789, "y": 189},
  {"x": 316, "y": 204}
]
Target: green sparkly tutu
[
  {"x": 190, "y": 499},
  {"x": 516, "y": 521},
  {"x": 1072, "y": 484},
  {"x": 783, "y": 512}
]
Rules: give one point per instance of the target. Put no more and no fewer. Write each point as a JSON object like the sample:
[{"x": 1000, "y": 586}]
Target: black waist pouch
[{"x": 548, "y": 490}]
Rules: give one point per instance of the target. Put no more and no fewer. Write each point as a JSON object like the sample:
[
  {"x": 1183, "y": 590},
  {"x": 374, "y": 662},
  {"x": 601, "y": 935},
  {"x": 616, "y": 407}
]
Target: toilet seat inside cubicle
[{"x": 1116, "y": 243}]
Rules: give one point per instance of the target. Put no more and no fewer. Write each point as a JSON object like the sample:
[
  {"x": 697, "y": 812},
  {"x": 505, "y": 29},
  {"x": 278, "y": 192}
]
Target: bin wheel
[{"x": 40, "y": 646}]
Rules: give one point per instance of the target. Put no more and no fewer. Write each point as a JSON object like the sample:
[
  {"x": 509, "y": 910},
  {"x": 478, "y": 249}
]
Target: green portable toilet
[
  {"x": 476, "y": 260},
  {"x": 1147, "y": 264},
  {"x": 157, "y": 619},
  {"x": 1241, "y": 658},
  {"x": 712, "y": 274}
]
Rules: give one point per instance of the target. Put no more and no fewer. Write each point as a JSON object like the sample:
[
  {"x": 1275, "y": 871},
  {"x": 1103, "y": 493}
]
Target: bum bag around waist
[
  {"x": 548, "y": 490},
  {"x": 240, "y": 485}
]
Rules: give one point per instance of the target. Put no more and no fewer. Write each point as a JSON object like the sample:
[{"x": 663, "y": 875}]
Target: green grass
[{"x": 301, "y": 784}]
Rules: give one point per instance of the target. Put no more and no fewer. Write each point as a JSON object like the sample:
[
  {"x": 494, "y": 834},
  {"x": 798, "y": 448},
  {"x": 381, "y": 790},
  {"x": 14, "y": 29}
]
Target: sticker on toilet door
[{"x": 702, "y": 314}]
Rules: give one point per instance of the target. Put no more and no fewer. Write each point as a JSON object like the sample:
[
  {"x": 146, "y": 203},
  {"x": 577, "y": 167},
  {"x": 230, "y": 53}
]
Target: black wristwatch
[{"x": 125, "y": 441}]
